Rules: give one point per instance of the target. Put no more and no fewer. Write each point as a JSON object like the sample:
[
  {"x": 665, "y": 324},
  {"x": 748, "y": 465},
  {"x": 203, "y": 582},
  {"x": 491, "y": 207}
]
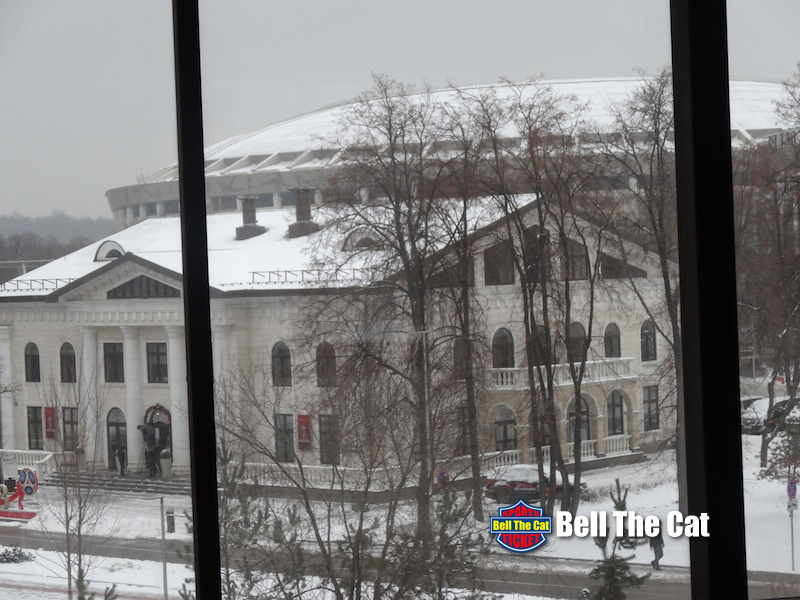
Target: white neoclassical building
[{"x": 92, "y": 344}]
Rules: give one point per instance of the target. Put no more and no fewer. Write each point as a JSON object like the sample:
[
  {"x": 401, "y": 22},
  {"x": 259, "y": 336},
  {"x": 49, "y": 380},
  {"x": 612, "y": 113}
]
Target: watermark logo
[{"x": 521, "y": 527}]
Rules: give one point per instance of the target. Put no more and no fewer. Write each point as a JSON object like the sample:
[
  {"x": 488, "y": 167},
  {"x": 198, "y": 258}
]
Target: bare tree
[
  {"x": 79, "y": 505},
  {"x": 768, "y": 267},
  {"x": 537, "y": 172},
  {"x": 639, "y": 155}
]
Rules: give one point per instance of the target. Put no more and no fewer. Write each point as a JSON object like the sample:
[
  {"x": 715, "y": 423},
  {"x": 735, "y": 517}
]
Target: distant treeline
[{"x": 58, "y": 228}]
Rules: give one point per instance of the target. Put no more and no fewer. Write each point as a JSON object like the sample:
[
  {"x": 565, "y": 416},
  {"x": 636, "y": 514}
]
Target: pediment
[{"x": 128, "y": 278}]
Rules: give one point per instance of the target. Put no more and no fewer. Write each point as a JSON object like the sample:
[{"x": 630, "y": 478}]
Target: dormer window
[
  {"x": 362, "y": 239},
  {"x": 108, "y": 250}
]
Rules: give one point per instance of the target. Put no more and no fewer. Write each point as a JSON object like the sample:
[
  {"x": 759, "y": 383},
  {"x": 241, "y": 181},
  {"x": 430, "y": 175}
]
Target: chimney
[
  {"x": 303, "y": 224},
  {"x": 250, "y": 228}
]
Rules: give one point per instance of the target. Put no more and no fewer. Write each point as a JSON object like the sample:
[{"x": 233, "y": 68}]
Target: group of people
[{"x": 154, "y": 443}]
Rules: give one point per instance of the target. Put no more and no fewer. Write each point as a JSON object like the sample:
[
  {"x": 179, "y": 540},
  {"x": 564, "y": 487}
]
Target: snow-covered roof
[
  {"x": 269, "y": 261},
  {"x": 232, "y": 262},
  {"x": 752, "y": 113}
]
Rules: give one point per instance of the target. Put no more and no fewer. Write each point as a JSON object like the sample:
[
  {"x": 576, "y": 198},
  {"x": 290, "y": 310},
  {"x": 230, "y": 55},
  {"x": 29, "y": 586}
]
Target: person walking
[
  {"x": 657, "y": 544},
  {"x": 122, "y": 459}
]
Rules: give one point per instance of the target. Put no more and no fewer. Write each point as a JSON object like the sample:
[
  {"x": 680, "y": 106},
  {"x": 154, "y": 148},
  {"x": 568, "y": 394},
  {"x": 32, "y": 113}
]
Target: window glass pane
[
  {"x": 91, "y": 311},
  {"x": 765, "y": 164},
  {"x": 385, "y": 197}
]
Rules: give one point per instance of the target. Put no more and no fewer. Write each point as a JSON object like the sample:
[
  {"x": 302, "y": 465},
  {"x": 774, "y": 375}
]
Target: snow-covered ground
[{"x": 652, "y": 488}]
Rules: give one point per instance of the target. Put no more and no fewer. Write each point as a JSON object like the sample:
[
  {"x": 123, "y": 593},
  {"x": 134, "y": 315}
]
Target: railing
[
  {"x": 39, "y": 285},
  {"x": 328, "y": 476},
  {"x": 314, "y": 276},
  {"x": 545, "y": 455},
  {"x": 587, "y": 449},
  {"x": 618, "y": 444},
  {"x": 507, "y": 379},
  {"x": 596, "y": 370},
  {"x": 40, "y": 461}
]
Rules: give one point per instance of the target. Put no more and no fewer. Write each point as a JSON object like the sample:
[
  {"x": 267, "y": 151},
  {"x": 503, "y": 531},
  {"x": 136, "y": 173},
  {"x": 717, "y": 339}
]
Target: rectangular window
[
  {"x": 498, "y": 265},
  {"x": 151, "y": 209},
  {"x": 289, "y": 198},
  {"x": 284, "y": 438},
  {"x": 113, "y": 362},
  {"x": 35, "y": 440},
  {"x": 650, "y": 407},
  {"x": 70, "y": 414},
  {"x": 328, "y": 440},
  {"x": 575, "y": 262},
  {"x": 157, "y": 362},
  {"x": 264, "y": 200}
]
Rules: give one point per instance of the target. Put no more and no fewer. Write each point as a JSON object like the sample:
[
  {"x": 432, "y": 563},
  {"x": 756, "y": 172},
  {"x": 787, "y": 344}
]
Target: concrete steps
[{"x": 113, "y": 482}]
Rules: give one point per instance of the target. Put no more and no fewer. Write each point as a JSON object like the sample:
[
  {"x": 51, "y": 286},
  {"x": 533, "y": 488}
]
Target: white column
[
  {"x": 134, "y": 402},
  {"x": 6, "y": 400},
  {"x": 221, "y": 351},
  {"x": 224, "y": 362},
  {"x": 91, "y": 372},
  {"x": 600, "y": 432},
  {"x": 176, "y": 359}
]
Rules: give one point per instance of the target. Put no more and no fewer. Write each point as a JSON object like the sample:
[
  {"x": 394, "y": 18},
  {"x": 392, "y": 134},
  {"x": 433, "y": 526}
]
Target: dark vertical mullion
[
  {"x": 708, "y": 295},
  {"x": 196, "y": 302}
]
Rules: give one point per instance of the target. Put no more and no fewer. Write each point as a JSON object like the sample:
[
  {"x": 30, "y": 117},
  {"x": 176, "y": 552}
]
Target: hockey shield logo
[{"x": 521, "y": 527}]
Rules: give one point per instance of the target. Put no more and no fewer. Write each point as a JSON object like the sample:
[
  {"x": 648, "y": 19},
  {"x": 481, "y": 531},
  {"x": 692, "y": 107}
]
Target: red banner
[
  {"x": 304, "y": 432},
  {"x": 50, "y": 426}
]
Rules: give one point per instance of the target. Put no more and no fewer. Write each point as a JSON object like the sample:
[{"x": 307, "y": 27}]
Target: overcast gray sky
[{"x": 87, "y": 92}]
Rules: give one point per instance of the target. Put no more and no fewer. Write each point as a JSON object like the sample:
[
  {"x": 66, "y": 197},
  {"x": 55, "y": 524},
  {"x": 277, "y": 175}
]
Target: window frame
[
  {"x": 281, "y": 363},
  {"x": 651, "y": 420},
  {"x": 153, "y": 350},
  {"x": 612, "y": 344},
  {"x": 284, "y": 437},
  {"x": 647, "y": 337},
  {"x": 615, "y": 414},
  {"x": 702, "y": 132},
  {"x": 69, "y": 372},
  {"x": 498, "y": 264},
  {"x": 330, "y": 450},
  {"x": 326, "y": 365},
  {"x": 114, "y": 370},
  {"x": 69, "y": 428},
  {"x": 503, "y": 354},
  {"x": 39, "y": 433},
  {"x": 33, "y": 363}
]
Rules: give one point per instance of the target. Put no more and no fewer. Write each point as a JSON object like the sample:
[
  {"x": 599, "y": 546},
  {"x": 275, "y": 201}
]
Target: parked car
[
  {"x": 791, "y": 422},
  {"x": 754, "y": 415},
  {"x": 510, "y": 483}
]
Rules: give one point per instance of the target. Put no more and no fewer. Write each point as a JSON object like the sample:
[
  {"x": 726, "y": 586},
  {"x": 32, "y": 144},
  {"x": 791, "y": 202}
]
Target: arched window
[
  {"x": 505, "y": 428},
  {"x": 648, "y": 341},
  {"x": 32, "y": 371},
  {"x": 281, "y": 365},
  {"x": 586, "y": 430},
  {"x": 615, "y": 409},
  {"x": 612, "y": 343},
  {"x": 68, "y": 368},
  {"x": 326, "y": 365},
  {"x": 542, "y": 350},
  {"x": 460, "y": 359},
  {"x": 502, "y": 350},
  {"x": 576, "y": 340}
]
